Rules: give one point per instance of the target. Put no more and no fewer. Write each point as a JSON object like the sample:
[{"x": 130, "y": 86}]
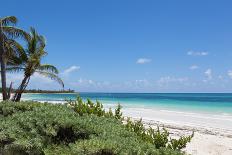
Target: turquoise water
[{"x": 216, "y": 103}]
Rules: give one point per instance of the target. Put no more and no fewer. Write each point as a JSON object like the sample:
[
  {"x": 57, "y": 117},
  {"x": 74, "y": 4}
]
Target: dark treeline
[{"x": 44, "y": 91}]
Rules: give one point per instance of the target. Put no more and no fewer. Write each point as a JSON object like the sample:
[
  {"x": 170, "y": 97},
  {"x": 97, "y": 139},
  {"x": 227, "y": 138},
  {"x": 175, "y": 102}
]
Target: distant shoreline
[{"x": 50, "y": 93}]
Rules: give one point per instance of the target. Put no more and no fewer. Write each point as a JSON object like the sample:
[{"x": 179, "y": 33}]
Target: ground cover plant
[{"x": 78, "y": 127}]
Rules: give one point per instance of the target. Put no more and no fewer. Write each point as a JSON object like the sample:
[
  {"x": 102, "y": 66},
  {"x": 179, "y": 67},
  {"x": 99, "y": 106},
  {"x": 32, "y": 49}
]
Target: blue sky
[{"x": 132, "y": 45}]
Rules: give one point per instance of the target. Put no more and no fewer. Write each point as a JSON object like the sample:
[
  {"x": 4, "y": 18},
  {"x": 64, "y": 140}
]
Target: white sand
[
  {"x": 205, "y": 144},
  {"x": 213, "y": 133}
]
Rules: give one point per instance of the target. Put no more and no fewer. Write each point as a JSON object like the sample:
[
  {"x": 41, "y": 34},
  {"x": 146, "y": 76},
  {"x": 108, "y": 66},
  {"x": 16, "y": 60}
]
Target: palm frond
[
  {"x": 48, "y": 68},
  {"x": 33, "y": 32},
  {"x": 9, "y": 20},
  {"x": 15, "y": 61},
  {"x": 14, "y": 69},
  {"x": 52, "y": 77},
  {"x": 17, "y": 47},
  {"x": 33, "y": 42},
  {"x": 14, "y": 32},
  {"x": 42, "y": 41}
]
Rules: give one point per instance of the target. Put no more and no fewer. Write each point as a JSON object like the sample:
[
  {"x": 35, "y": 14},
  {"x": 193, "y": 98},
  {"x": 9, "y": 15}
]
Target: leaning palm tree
[
  {"x": 13, "y": 51},
  {"x": 30, "y": 62},
  {"x": 7, "y": 32}
]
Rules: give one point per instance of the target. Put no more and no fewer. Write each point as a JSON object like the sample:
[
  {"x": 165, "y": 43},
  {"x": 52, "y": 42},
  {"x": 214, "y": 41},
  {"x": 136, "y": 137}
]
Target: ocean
[{"x": 209, "y": 103}]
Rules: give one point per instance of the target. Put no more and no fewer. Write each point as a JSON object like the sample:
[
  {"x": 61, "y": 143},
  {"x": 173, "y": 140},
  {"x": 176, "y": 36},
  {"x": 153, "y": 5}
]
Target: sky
[{"x": 131, "y": 45}]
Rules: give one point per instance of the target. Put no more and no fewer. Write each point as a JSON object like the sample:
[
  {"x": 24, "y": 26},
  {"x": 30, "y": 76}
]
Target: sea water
[{"x": 214, "y": 103}]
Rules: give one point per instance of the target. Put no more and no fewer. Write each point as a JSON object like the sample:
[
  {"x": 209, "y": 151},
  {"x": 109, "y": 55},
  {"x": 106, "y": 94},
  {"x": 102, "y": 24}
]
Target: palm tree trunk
[
  {"x": 3, "y": 78},
  {"x": 22, "y": 87},
  {"x": 3, "y": 64},
  {"x": 9, "y": 91}
]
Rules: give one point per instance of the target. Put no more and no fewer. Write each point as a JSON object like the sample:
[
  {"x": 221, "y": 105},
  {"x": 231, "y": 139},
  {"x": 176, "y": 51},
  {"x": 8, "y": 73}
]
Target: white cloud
[
  {"x": 220, "y": 76},
  {"x": 193, "y": 67},
  {"x": 143, "y": 61},
  {"x": 208, "y": 74},
  {"x": 37, "y": 81},
  {"x": 71, "y": 69},
  {"x": 37, "y": 78},
  {"x": 85, "y": 82},
  {"x": 164, "y": 81},
  {"x": 141, "y": 83},
  {"x": 197, "y": 53},
  {"x": 15, "y": 78},
  {"x": 229, "y": 73}
]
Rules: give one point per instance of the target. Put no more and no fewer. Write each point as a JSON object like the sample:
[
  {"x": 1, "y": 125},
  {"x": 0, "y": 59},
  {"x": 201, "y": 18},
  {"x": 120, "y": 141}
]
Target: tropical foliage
[
  {"x": 36, "y": 128},
  {"x": 30, "y": 62},
  {"x": 159, "y": 138},
  {"x": 15, "y": 58},
  {"x": 9, "y": 47}
]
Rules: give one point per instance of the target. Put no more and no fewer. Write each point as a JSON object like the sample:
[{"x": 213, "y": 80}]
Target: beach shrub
[
  {"x": 178, "y": 144},
  {"x": 159, "y": 138},
  {"x": 53, "y": 129},
  {"x": 11, "y": 108},
  {"x": 91, "y": 108}
]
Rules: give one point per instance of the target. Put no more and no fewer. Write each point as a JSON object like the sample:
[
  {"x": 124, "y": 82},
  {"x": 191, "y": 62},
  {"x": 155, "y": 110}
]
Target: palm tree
[
  {"x": 7, "y": 32},
  {"x": 12, "y": 54},
  {"x": 30, "y": 62}
]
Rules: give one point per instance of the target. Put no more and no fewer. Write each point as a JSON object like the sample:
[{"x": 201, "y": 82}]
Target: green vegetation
[
  {"x": 48, "y": 91},
  {"x": 14, "y": 57},
  {"x": 9, "y": 47},
  {"x": 42, "y": 91},
  {"x": 78, "y": 128},
  {"x": 30, "y": 62}
]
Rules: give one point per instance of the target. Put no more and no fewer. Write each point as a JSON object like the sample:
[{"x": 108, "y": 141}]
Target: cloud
[
  {"x": 193, "y": 67},
  {"x": 143, "y": 61},
  {"x": 221, "y": 77},
  {"x": 229, "y": 73},
  {"x": 197, "y": 53},
  {"x": 141, "y": 83},
  {"x": 208, "y": 74},
  {"x": 37, "y": 81},
  {"x": 37, "y": 78},
  {"x": 71, "y": 69},
  {"x": 165, "y": 81},
  {"x": 85, "y": 82}
]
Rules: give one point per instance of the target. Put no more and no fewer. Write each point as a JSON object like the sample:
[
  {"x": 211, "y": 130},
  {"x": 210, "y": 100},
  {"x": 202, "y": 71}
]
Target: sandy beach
[{"x": 212, "y": 133}]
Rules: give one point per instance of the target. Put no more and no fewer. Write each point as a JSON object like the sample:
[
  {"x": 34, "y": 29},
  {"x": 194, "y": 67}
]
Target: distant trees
[{"x": 42, "y": 91}]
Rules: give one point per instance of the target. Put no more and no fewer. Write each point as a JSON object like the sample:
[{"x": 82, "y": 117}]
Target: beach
[
  {"x": 210, "y": 138},
  {"x": 182, "y": 114}
]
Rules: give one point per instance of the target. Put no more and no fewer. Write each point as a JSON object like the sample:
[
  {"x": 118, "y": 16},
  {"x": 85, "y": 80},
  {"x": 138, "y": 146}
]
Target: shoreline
[{"x": 50, "y": 93}]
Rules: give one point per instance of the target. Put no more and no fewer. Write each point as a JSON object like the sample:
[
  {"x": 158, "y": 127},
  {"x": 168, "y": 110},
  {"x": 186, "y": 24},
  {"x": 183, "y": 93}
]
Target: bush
[
  {"x": 90, "y": 108},
  {"x": 35, "y": 128},
  {"x": 160, "y": 139},
  {"x": 9, "y": 109}
]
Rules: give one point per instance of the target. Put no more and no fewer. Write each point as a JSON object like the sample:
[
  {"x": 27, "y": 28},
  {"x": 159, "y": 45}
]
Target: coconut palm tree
[
  {"x": 12, "y": 54},
  {"x": 8, "y": 32},
  {"x": 30, "y": 62}
]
